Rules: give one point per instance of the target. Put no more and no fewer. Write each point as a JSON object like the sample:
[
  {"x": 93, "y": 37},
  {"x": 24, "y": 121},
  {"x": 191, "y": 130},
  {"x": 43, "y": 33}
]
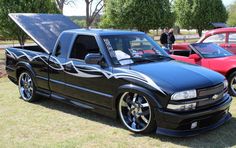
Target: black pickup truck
[{"x": 116, "y": 73}]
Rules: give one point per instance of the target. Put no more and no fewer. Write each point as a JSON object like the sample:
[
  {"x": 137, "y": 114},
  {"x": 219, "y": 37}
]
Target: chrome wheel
[
  {"x": 25, "y": 86},
  {"x": 135, "y": 111},
  {"x": 233, "y": 84}
]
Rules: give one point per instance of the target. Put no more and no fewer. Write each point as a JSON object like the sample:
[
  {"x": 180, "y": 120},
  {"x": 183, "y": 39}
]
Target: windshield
[
  {"x": 132, "y": 49},
  {"x": 210, "y": 50}
]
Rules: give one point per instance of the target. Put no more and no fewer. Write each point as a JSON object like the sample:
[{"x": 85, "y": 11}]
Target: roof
[
  {"x": 220, "y": 30},
  {"x": 103, "y": 31}
]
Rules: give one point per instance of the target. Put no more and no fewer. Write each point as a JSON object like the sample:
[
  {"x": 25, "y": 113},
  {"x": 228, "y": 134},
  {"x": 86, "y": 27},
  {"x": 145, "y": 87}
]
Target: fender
[
  {"x": 230, "y": 71},
  {"x": 28, "y": 67},
  {"x": 135, "y": 89}
]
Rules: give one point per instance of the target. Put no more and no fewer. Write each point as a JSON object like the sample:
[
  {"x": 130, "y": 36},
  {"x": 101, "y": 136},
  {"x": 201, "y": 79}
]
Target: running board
[{"x": 72, "y": 102}]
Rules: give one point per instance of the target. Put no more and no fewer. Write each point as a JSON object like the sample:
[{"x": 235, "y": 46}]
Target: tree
[
  {"x": 61, "y": 3},
  {"x": 183, "y": 12},
  {"x": 91, "y": 13},
  {"x": 142, "y": 15},
  {"x": 232, "y": 14},
  {"x": 93, "y": 8},
  {"x": 198, "y": 14},
  {"x": 8, "y": 28}
]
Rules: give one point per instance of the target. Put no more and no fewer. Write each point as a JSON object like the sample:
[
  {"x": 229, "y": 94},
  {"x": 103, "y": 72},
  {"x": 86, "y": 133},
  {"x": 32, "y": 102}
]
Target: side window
[
  {"x": 63, "y": 45},
  {"x": 232, "y": 38},
  {"x": 217, "y": 38},
  {"x": 82, "y": 46}
]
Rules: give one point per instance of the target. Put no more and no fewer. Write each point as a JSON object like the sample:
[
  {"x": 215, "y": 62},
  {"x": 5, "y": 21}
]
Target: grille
[{"x": 211, "y": 90}]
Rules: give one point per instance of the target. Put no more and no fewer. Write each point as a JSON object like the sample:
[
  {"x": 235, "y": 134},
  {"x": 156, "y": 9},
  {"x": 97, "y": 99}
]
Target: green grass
[
  {"x": 2, "y": 54},
  {"x": 49, "y": 123},
  {"x": 4, "y": 42},
  {"x": 2, "y": 63},
  {"x": 187, "y": 41},
  {"x": 182, "y": 32}
]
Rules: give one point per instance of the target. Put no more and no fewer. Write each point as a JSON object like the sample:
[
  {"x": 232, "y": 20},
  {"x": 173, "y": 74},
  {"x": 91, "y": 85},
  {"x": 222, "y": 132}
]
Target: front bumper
[{"x": 179, "y": 124}]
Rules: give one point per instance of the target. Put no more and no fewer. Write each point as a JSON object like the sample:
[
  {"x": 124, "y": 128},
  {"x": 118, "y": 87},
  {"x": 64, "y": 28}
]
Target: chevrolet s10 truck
[{"x": 116, "y": 73}]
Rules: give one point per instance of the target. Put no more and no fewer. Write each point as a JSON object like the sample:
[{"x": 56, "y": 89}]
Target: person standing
[
  {"x": 164, "y": 38},
  {"x": 171, "y": 38}
]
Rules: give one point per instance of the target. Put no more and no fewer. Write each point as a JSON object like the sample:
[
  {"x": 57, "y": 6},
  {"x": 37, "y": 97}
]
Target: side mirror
[
  {"x": 196, "y": 57},
  {"x": 93, "y": 58}
]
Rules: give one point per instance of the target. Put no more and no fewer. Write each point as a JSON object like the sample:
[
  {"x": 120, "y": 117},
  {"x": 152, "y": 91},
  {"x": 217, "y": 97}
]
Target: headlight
[
  {"x": 226, "y": 84},
  {"x": 182, "y": 107},
  {"x": 183, "y": 95}
]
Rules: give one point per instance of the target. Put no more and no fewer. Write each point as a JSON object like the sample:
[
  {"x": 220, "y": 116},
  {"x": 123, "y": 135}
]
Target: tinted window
[
  {"x": 83, "y": 45},
  {"x": 63, "y": 45},
  {"x": 232, "y": 38},
  {"x": 217, "y": 38}
]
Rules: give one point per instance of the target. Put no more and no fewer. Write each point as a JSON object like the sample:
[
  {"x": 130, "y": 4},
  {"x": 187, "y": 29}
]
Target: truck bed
[{"x": 35, "y": 48}]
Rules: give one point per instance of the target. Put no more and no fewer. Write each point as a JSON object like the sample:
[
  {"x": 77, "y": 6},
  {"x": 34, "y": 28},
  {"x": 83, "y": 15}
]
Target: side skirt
[{"x": 75, "y": 102}]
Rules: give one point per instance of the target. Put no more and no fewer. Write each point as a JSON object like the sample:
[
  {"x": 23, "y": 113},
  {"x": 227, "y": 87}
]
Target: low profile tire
[
  {"x": 26, "y": 87},
  {"x": 232, "y": 84},
  {"x": 136, "y": 113}
]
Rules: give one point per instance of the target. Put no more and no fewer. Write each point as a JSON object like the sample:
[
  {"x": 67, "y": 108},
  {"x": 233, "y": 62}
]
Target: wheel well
[
  {"x": 19, "y": 71},
  {"x": 229, "y": 72},
  {"x": 117, "y": 103}
]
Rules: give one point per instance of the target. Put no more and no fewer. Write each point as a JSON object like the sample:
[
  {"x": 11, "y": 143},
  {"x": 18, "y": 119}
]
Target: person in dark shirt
[
  {"x": 171, "y": 38},
  {"x": 164, "y": 38}
]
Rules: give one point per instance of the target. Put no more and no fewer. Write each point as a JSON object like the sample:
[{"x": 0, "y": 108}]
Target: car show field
[
  {"x": 118, "y": 74},
  {"x": 49, "y": 123}
]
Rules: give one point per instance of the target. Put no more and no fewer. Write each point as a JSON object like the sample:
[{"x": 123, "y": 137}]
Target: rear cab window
[{"x": 63, "y": 45}]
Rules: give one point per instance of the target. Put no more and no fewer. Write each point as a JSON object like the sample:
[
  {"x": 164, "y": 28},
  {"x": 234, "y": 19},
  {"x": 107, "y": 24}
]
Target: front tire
[
  {"x": 26, "y": 87},
  {"x": 232, "y": 84},
  {"x": 136, "y": 113}
]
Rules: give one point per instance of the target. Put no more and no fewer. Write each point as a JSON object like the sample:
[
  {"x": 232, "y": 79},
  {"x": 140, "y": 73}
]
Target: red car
[
  {"x": 211, "y": 56},
  {"x": 224, "y": 37}
]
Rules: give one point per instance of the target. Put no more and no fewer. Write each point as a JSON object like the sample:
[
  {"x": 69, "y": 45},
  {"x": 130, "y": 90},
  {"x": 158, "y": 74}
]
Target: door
[
  {"x": 231, "y": 43},
  {"x": 56, "y": 62},
  {"x": 184, "y": 56},
  {"x": 87, "y": 82}
]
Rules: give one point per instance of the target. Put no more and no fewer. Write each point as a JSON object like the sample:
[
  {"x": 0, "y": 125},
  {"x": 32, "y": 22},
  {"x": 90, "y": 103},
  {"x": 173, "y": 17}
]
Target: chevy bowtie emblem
[{"x": 215, "y": 97}]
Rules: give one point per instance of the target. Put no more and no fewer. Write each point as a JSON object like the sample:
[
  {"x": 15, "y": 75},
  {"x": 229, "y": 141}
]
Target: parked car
[
  {"x": 211, "y": 56},
  {"x": 116, "y": 73},
  {"x": 224, "y": 37}
]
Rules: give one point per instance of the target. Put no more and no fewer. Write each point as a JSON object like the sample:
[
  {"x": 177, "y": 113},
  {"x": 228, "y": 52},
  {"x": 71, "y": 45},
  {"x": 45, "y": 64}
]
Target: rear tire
[
  {"x": 26, "y": 87},
  {"x": 232, "y": 84},
  {"x": 136, "y": 113}
]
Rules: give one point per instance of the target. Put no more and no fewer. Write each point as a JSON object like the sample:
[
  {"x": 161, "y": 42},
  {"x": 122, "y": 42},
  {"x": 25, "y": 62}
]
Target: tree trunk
[
  {"x": 87, "y": 15},
  {"x": 199, "y": 31},
  {"x": 60, "y": 5},
  {"x": 21, "y": 39}
]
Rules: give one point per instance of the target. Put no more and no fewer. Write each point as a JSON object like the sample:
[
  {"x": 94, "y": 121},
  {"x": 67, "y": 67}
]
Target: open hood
[{"x": 44, "y": 29}]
